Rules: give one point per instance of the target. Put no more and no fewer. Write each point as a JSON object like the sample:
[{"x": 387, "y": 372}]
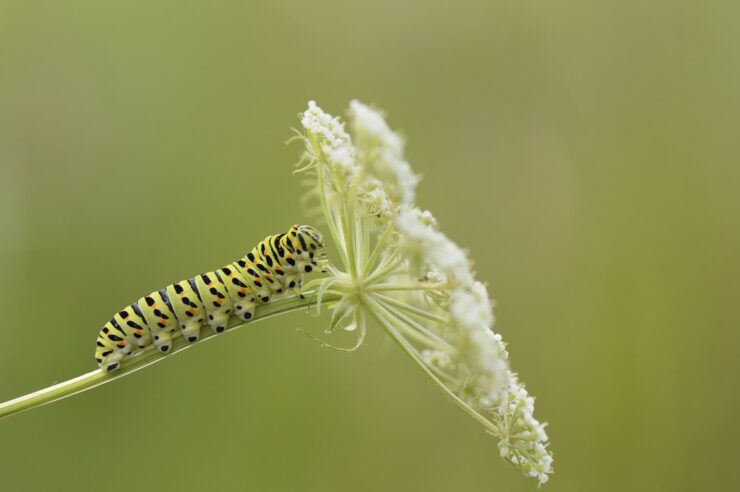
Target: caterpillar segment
[
  {"x": 187, "y": 308},
  {"x": 274, "y": 267},
  {"x": 215, "y": 300},
  {"x": 241, "y": 294},
  {"x": 130, "y": 321},
  {"x": 159, "y": 318},
  {"x": 112, "y": 346}
]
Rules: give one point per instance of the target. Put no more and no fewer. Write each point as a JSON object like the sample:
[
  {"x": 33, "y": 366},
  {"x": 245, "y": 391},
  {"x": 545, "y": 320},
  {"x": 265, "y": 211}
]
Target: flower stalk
[{"x": 149, "y": 356}]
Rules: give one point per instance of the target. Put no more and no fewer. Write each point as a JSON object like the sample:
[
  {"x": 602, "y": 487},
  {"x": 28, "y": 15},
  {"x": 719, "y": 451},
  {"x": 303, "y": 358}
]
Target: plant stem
[
  {"x": 149, "y": 356},
  {"x": 419, "y": 286},
  {"x": 411, "y": 309},
  {"x": 379, "y": 247},
  {"x": 384, "y": 318},
  {"x": 436, "y": 340}
]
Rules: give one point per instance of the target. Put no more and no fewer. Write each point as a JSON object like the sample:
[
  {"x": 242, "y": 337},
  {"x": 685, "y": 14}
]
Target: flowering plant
[
  {"x": 395, "y": 268},
  {"x": 398, "y": 269}
]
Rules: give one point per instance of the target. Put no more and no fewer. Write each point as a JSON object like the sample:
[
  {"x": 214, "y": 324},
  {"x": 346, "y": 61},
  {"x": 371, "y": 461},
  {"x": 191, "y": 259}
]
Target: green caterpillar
[{"x": 275, "y": 266}]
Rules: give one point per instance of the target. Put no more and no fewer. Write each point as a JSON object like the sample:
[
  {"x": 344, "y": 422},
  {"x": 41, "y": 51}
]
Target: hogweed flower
[{"x": 398, "y": 269}]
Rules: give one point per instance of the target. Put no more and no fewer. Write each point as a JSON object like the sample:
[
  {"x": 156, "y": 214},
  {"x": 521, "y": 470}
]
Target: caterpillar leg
[
  {"x": 163, "y": 341},
  {"x": 293, "y": 283},
  {"x": 244, "y": 310},
  {"x": 218, "y": 322},
  {"x": 190, "y": 331},
  {"x": 112, "y": 362}
]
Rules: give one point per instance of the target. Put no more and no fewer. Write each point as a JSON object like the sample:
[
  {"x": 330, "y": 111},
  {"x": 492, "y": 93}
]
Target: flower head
[{"x": 400, "y": 271}]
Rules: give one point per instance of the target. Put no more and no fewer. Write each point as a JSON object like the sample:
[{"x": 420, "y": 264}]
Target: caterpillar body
[{"x": 275, "y": 266}]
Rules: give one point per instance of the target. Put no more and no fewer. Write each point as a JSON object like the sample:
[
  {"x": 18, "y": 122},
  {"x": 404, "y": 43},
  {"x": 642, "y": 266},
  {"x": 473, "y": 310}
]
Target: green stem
[
  {"x": 379, "y": 247},
  {"x": 383, "y": 318},
  {"x": 389, "y": 286},
  {"x": 147, "y": 357},
  {"x": 411, "y": 309},
  {"x": 439, "y": 342},
  {"x": 338, "y": 240},
  {"x": 386, "y": 267}
]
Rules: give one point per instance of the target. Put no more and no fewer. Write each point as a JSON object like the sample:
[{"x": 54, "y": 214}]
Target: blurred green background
[{"x": 585, "y": 152}]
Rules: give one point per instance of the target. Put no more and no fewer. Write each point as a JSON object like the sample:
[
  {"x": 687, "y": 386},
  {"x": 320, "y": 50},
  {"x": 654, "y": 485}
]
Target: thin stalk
[
  {"x": 379, "y": 247},
  {"x": 147, "y": 357},
  {"x": 388, "y": 266},
  {"x": 439, "y": 341},
  {"x": 382, "y": 318},
  {"x": 420, "y": 337},
  {"x": 365, "y": 242},
  {"x": 389, "y": 286},
  {"x": 350, "y": 231},
  {"x": 400, "y": 321},
  {"x": 339, "y": 241},
  {"x": 360, "y": 244},
  {"x": 411, "y": 309}
]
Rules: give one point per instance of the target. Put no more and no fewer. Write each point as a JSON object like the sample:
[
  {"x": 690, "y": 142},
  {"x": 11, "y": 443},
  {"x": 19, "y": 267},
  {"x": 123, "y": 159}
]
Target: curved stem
[
  {"x": 147, "y": 357},
  {"x": 411, "y": 309},
  {"x": 383, "y": 318},
  {"x": 431, "y": 336}
]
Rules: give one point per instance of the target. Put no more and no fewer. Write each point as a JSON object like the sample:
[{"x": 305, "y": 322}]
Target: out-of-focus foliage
[{"x": 584, "y": 152}]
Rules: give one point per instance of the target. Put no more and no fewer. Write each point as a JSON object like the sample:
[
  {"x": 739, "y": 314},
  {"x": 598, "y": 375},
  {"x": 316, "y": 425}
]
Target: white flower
[
  {"x": 381, "y": 149},
  {"x": 523, "y": 440},
  {"x": 398, "y": 269},
  {"x": 328, "y": 140}
]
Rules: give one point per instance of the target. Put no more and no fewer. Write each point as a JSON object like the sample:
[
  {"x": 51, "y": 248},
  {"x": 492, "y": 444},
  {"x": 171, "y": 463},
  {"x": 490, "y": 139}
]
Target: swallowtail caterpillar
[{"x": 275, "y": 266}]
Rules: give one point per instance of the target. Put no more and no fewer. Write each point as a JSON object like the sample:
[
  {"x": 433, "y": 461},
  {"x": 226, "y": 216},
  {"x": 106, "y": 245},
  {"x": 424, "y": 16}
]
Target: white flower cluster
[
  {"x": 480, "y": 351},
  {"x": 524, "y": 440},
  {"x": 381, "y": 152},
  {"x": 452, "y": 337},
  {"x": 328, "y": 138}
]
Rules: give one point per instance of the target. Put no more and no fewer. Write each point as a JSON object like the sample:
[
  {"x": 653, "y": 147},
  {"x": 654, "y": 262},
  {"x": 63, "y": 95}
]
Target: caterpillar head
[
  {"x": 313, "y": 238},
  {"x": 308, "y": 244}
]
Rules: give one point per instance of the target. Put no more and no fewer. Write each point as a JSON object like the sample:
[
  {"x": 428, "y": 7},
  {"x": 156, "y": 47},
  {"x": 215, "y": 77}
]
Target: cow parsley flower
[{"x": 397, "y": 269}]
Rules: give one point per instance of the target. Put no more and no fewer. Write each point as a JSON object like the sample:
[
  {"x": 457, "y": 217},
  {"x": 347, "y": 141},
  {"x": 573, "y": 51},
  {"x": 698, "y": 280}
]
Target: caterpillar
[{"x": 275, "y": 266}]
